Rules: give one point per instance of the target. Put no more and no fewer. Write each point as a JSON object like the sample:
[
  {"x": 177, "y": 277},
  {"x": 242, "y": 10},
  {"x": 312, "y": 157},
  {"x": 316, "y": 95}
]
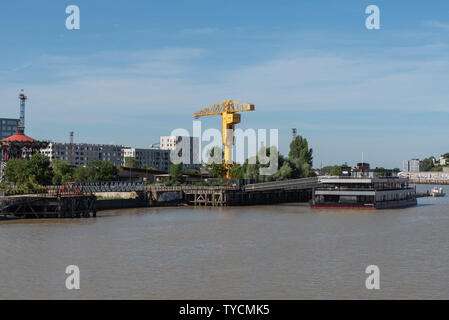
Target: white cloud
[
  {"x": 132, "y": 93},
  {"x": 438, "y": 24}
]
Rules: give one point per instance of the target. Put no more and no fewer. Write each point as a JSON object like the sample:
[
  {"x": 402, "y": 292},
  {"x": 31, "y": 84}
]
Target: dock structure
[
  {"x": 298, "y": 190},
  {"x": 48, "y": 205}
]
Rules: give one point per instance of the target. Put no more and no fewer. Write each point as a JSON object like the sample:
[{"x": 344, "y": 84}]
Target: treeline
[
  {"x": 39, "y": 170},
  {"x": 431, "y": 164},
  {"x": 298, "y": 164}
]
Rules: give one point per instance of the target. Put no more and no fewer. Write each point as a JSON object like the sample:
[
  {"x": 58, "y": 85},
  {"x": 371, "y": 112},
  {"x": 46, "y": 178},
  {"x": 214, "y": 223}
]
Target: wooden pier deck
[{"x": 224, "y": 196}]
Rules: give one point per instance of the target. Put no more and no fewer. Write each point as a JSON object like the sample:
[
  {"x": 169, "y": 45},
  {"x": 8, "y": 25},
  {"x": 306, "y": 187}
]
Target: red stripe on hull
[{"x": 357, "y": 208}]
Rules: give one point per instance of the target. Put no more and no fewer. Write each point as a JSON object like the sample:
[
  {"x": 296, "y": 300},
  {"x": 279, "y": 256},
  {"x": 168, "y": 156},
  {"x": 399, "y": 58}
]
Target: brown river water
[{"x": 261, "y": 252}]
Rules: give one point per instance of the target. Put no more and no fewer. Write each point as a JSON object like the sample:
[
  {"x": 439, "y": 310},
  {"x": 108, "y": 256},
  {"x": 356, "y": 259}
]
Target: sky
[{"x": 136, "y": 70}]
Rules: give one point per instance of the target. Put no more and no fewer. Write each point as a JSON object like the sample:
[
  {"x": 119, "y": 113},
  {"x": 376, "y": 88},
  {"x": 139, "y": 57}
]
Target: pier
[
  {"x": 48, "y": 205},
  {"x": 84, "y": 200}
]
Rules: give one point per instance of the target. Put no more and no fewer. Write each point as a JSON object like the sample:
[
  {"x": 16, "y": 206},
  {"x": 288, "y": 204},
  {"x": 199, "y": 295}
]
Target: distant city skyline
[{"x": 137, "y": 70}]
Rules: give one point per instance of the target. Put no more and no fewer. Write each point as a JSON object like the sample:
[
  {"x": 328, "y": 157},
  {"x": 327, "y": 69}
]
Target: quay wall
[{"x": 119, "y": 204}]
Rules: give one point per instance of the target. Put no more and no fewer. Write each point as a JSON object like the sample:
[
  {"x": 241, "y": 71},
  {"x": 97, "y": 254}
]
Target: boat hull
[{"x": 376, "y": 206}]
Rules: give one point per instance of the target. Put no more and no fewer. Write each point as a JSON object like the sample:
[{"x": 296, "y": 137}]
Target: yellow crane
[{"x": 229, "y": 111}]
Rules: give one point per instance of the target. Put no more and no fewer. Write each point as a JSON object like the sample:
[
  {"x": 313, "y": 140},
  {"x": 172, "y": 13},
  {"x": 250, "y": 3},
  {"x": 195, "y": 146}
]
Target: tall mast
[{"x": 22, "y": 98}]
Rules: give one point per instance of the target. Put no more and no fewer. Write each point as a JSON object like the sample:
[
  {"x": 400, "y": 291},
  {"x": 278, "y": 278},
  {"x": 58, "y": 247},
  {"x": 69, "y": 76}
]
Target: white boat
[{"x": 437, "y": 192}]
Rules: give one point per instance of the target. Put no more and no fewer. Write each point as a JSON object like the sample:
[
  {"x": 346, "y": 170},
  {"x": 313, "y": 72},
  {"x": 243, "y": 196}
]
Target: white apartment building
[
  {"x": 411, "y": 165},
  {"x": 83, "y": 153},
  {"x": 156, "y": 158},
  {"x": 184, "y": 148}
]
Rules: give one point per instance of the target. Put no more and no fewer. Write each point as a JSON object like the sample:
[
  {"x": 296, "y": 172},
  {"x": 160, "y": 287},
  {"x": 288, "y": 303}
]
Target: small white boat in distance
[{"x": 437, "y": 192}]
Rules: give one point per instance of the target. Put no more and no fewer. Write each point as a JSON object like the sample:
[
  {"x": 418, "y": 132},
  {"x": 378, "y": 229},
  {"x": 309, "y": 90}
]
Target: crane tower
[
  {"x": 22, "y": 98},
  {"x": 230, "y": 116}
]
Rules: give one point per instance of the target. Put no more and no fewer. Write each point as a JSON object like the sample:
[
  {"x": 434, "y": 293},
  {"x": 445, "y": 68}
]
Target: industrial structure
[
  {"x": 230, "y": 116},
  {"x": 19, "y": 145}
]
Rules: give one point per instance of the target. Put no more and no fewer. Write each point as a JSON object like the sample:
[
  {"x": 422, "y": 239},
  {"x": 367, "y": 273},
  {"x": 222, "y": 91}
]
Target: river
[{"x": 260, "y": 252}]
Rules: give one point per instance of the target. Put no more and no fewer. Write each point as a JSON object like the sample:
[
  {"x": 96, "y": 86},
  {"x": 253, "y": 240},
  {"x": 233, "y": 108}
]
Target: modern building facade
[
  {"x": 83, "y": 153},
  {"x": 411, "y": 165},
  {"x": 184, "y": 149},
  {"x": 155, "y": 158},
  {"x": 8, "y": 127}
]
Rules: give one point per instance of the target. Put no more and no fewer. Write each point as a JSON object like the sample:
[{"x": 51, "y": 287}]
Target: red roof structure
[
  {"x": 19, "y": 145},
  {"x": 18, "y": 137}
]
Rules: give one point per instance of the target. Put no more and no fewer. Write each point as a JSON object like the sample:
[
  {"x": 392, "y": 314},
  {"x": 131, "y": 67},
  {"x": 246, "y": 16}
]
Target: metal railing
[{"x": 283, "y": 184}]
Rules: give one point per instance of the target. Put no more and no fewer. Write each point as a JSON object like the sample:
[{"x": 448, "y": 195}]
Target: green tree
[
  {"x": 81, "y": 174},
  {"x": 39, "y": 168},
  {"x": 284, "y": 172},
  {"x": 426, "y": 164},
  {"x": 62, "y": 172},
  {"x": 299, "y": 149},
  {"x": 336, "y": 171},
  {"x": 176, "y": 171},
  {"x": 102, "y": 171},
  {"x": 237, "y": 172},
  {"x": 214, "y": 164},
  {"x": 131, "y": 162},
  {"x": 17, "y": 171}
]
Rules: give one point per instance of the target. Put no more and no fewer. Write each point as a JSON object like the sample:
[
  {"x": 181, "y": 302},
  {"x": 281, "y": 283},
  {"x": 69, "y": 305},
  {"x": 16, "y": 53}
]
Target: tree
[
  {"x": 17, "y": 171},
  {"x": 176, "y": 171},
  {"x": 81, "y": 174},
  {"x": 39, "y": 168},
  {"x": 336, "y": 171},
  {"x": 102, "y": 171},
  {"x": 426, "y": 164},
  {"x": 131, "y": 162},
  {"x": 299, "y": 149},
  {"x": 214, "y": 164},
  {"x": 62, "y": 172},
  {"x": 237, "y": 171},
  {"x": 284, "y": 172}
]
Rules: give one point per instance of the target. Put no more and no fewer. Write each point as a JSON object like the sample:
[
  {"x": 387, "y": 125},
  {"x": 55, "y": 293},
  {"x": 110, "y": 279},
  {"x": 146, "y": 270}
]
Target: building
[
  {"x": 411, "y": 165},
  {"x": 8, "y": 127},
  {"x": 184, "y": 149},
  {"x": 83, "y": 153},
  {"x": 155, "y": 158},
  {"x": 362, "y": 166},
  {"x": 443, "y": 161}
]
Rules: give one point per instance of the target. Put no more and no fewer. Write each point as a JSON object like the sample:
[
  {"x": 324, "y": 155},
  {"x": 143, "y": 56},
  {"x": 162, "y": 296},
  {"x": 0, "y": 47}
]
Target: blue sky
[{"x": 139, "y": 69}]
